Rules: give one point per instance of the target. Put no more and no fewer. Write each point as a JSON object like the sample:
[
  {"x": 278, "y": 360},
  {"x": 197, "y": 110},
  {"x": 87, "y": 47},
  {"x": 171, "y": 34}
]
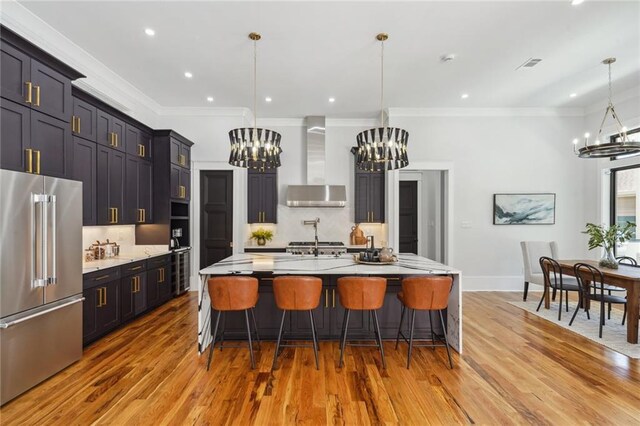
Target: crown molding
[
  {"x": 329, "y": 122},
  {"x": 486, "y": 112},
  {"x": 99, "y": 77},
  {"x": 281, "y": 122}
]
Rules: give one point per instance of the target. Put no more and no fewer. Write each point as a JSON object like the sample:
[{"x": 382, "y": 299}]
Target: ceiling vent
[{"x": 529, "y": 63}]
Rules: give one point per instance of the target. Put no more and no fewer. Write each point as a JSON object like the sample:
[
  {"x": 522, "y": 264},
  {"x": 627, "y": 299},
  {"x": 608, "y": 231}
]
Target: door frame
[
  {"x": 413, "y": 176},
  {"x": 239, "y": 210},
  {"x": 393, "y": 200}
]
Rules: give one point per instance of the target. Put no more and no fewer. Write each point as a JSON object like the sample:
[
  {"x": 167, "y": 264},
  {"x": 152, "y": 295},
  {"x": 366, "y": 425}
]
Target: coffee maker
[{"x": 175, "y": 242}]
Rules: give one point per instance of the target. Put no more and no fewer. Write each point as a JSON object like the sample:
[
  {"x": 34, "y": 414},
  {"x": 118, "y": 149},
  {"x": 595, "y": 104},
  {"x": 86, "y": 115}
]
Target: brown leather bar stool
[
  {"x": 297, "y": 294},
  {"x": 233, "y": 294},
  {"x": 362, "y": 294},
  {"x": 424, "y": 294}
]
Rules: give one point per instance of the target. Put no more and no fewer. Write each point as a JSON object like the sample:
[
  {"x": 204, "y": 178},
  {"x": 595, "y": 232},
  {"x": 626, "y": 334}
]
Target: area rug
[{"x": 614, "y": 334}]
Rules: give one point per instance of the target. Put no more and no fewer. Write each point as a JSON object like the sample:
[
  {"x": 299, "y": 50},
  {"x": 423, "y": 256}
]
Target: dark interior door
[
  {"x": 216, "y": 216},
  {"x": 408, "y": 217}
]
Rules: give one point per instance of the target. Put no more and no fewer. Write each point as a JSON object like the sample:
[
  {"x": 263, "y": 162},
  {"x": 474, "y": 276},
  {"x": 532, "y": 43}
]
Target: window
[{"x": 625, "y": 205}]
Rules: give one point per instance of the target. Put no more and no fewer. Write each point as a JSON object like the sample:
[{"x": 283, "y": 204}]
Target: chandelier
[
  {"x": 382, "y": 148},
  {"x": 618, "y": 146},
  {"x": 252, "y": 147}
]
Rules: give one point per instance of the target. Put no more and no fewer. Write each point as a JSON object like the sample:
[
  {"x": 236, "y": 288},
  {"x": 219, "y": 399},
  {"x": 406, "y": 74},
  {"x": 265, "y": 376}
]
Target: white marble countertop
[
  {"x": 284, "y": 245},
  {"x": 120, "y": 260},
  {"x": 285, "y": 263}
]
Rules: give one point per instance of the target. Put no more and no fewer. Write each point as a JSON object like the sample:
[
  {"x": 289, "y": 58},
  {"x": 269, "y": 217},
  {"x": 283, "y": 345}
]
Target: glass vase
[{"x": 608, "y": 259}]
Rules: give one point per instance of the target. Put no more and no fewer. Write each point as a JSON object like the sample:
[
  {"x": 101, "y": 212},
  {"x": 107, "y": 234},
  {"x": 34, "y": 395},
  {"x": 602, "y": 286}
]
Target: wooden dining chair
[
  {"x": 591, "y": 282},
  {"x": 555, "y": 281},
  {"x": 623, "y": 260}
]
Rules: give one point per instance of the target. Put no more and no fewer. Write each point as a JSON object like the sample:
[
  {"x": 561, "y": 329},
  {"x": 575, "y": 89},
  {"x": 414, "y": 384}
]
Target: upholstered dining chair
[{"x": 532, "y": 251}]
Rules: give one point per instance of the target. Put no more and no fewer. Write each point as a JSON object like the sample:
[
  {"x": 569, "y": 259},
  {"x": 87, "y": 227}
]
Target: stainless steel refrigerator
[{"x": 40, "y": 279}]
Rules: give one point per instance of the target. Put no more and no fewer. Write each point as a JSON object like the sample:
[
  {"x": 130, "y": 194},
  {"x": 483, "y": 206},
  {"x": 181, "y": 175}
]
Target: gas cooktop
[{"x": 324, "y": 247}]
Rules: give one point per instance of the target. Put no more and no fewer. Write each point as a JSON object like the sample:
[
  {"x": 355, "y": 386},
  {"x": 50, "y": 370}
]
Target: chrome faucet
[{"x": 315, "y": 223}]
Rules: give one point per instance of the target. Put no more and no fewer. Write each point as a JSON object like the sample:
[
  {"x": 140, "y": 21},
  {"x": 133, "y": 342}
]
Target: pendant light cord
[
  {"x": 382, "y": 83},
  {"x": 255, "y": 90}
]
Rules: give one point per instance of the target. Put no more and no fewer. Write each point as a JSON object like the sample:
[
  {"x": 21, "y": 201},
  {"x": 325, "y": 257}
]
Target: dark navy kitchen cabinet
[
  {"x": 138, "y": 142},
  {"x": 84, "y": 120},
  {"x": 262, "y": 196},
  {"x": 51, "y": 92},
  {"x": 52, "y": 145},
  {"x": 84, "y": 170},
  {"x": 15, "y": 74},
  {"x": 138, "y": 191},
  {"x": 110, "y": 177},
  {"x": 369, "y": 196},
  {"x": 110, "y": 131},
  {"x": 15, "y": 133}
]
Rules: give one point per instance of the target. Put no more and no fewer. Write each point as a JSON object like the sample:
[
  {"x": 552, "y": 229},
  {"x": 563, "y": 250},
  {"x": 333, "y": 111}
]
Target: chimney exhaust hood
[{"x": 316, "y": 193}]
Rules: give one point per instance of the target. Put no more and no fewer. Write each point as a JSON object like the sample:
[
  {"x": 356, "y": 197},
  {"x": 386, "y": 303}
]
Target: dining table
[{"x": 626, "y": 276}]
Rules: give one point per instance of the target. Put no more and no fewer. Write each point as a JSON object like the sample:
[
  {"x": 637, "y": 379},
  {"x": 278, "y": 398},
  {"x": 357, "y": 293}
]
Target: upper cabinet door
[
  {"x": 145, "y": 142},
  {"x": 362, "y": 191},
  {"x": 51, "y": 92},
  {"x": 131, "y": 213},
  {"x": 270, "y": 197},
  {"x": 51, "y": 142},
  {"x": 15, "y": 75},
  {"x": 254, "y": 197},
  {"x": 132, "y": 140},
  {"x": 15, "y": 137},
  {"x": 145, "y": 194},
  {"x": 110, "y": 176},
  {"x": 185, "y": 181},
  {"x": 376, "y": 201},
  {"x": 104, "y": 135},
  {"x": 84, "y": 170},
  {"x": 176, "y": 191},
  {"x": 118, "y": 128},
  {"x": 84, "y": 120},
  {"x": 185, "y": 159},
  {"x": 175, "y": 151}
]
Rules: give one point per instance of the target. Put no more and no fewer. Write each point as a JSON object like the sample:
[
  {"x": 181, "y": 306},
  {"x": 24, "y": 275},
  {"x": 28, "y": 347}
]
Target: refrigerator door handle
[
  {"x": 53, "y": 279},
  {"x": 40, "y": 313},
  {"x": 41, "y": 199}
]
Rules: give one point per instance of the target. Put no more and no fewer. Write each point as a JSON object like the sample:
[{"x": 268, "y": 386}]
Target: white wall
[{"x": 504, "y": 153}]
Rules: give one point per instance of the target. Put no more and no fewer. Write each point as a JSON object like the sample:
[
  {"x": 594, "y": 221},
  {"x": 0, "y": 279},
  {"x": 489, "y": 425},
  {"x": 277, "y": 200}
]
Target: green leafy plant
[
  {"x": 262, "y": 234},
  {"x": 599, "y": 236}
]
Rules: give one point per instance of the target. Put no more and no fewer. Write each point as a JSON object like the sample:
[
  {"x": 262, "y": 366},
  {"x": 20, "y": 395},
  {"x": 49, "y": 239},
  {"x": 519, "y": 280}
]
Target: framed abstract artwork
[{"x": 524, "y": 209}]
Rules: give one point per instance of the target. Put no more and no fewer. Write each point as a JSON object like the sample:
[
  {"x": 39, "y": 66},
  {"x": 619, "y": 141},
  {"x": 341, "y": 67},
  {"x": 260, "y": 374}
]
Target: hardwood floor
[{"x": 516, "y": 369}]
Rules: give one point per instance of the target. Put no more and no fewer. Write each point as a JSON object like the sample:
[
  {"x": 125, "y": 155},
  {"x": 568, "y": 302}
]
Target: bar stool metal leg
[
  {"x": 400, "y": 326},
  {"x": 433, "y": 334},
  {"x": 315, "y": 339},
  {"x": 446, "y": 339},
  {"x": 413, "y": 321},
  {"x": 344, "y": 336},
  {"x": 224, "y": 326},
  {"x": 213, "y": 340},
  {"x": 275, "y": 354},
  {"x": 377, "y": 326},
  {"x": 255, "y": 327},
  {"x": 246, "y": 318}
]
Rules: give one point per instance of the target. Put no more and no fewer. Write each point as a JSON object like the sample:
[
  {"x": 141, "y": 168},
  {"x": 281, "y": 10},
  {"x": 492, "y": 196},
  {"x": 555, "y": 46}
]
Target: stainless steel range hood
[{"x": 316, "y": 193}]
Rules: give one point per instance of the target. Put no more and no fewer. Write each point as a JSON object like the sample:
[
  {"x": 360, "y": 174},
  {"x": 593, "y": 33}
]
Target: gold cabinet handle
[
  {"x": 73, "y": 123},
  {"x": 140, "y": 150},
  {"x": 102, "y": 277},
  {"x": 99, "y": 297},
  {"x": 104, "y": 292},
  {"x": 326, "y": 297},
  {"x": 138, "y": 281},
  {"x": 29, "y": 154},
  {"x": 111, "y": 138},
  {"x": 136, "y": 268},
  {"x": 37, "y": 162},
  {"x": 334, "y": 299},
  {"x": 116, "y": 209},
  {"x": 78, "y": 125},
  {"x": 28, "y": 95},
  {"x": 371, "y": 216},
  {"x": 37, "y": 103},
  {"x": 115, "y": 136}
]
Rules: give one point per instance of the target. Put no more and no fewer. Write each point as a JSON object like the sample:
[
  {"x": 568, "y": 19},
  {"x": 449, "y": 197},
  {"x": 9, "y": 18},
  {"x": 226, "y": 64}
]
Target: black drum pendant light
[
  {"x": 251, "y": 147},
  {"x": 621, "y": 146},
  {"x": 382, "y": 148}
]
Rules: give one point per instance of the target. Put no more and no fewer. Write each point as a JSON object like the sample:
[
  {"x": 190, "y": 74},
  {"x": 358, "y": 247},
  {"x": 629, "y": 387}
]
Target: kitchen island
[{"x": 328, "y": 315}]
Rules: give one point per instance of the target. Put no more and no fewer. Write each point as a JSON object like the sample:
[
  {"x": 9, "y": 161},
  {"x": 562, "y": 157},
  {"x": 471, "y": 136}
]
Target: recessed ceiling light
[
  {"x": 150, "y": 32},
  {"x": 573, "y": 95},
  {"x": 188, "y": 74},
  {"x": 267, "y": 99},
  {"x": 209, "y": 98},
  {"x": 332, "y": 100},
  {"x": 464, "y": 95},
  {"x": 576, "y": 2}
]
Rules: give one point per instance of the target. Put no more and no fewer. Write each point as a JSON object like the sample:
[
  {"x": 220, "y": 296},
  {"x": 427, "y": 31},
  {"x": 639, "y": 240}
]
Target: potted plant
[
  {"x": 607, "y": 238},
  {"x": 262, "y": 236}
]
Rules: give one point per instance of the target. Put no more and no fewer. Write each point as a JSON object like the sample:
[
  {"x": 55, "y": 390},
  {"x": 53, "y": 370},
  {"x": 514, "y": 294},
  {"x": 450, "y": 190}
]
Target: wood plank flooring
[{"x": 517, "y": 369}]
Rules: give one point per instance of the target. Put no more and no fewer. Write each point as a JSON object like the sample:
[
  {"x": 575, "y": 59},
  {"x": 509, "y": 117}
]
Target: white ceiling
[{"x": 311, "y": 51}]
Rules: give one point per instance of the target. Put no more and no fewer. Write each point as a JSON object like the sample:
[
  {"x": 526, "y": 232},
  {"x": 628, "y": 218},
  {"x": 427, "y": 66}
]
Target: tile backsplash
[
  {"x": 335, "y": 225},
  {"x": 123, "y": 235}
]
